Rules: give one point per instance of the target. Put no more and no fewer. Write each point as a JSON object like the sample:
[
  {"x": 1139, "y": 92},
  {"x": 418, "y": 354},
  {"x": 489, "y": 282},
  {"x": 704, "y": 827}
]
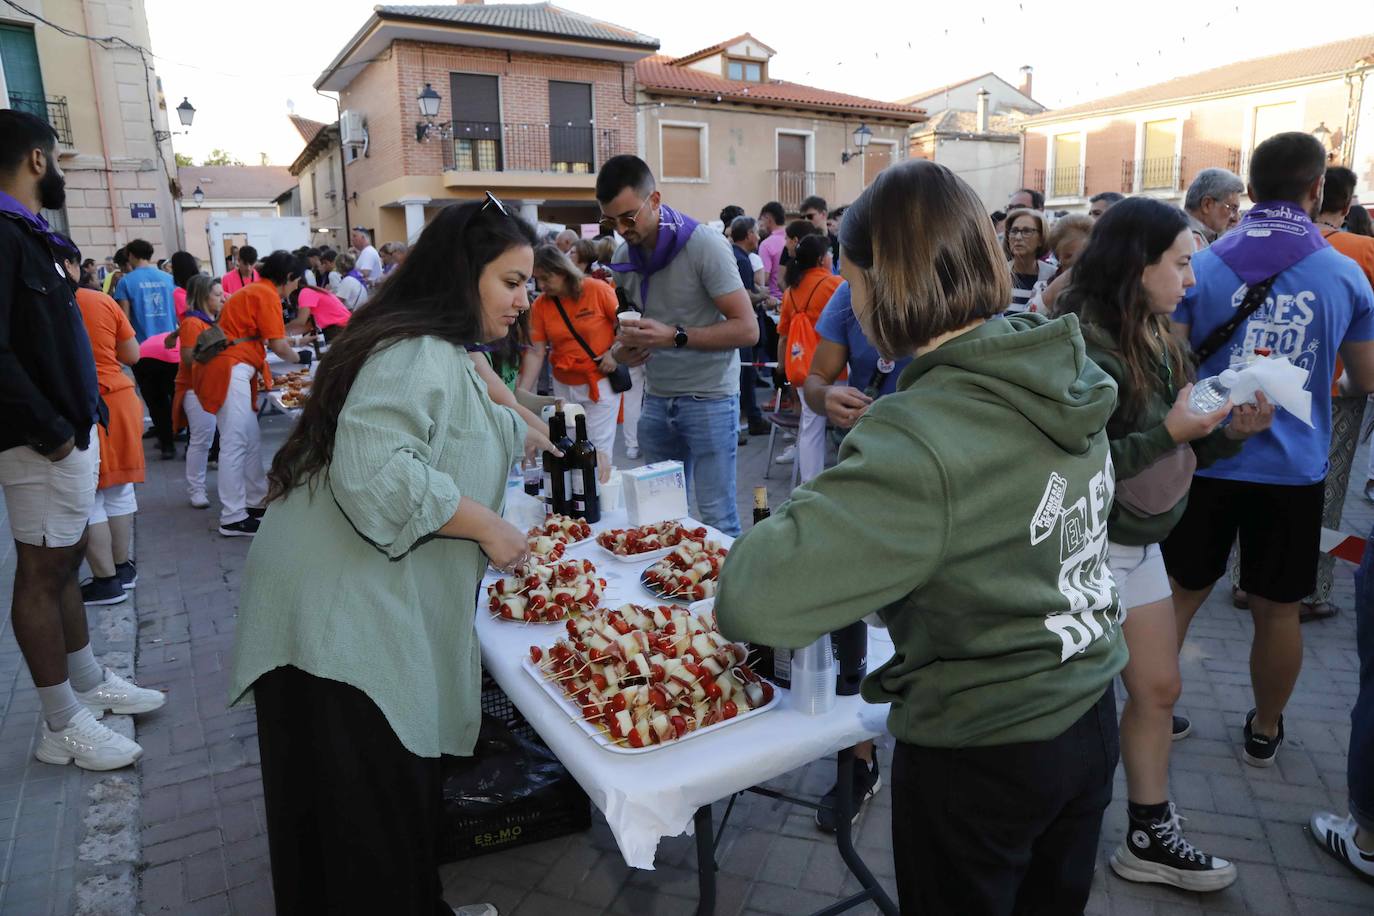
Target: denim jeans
[
  {"x": 1360, "y": 762},
  {"x": 702, "y": 434}
]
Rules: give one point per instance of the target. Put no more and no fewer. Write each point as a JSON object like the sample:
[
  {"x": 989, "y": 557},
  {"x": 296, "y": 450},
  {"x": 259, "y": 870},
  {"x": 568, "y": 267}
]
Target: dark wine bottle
[
  {"x": 585, "y": 501},
  {"x": 555, "y": 467},
  {"x": 850, "y": 647},
  {"x": 763, "y": 659}
]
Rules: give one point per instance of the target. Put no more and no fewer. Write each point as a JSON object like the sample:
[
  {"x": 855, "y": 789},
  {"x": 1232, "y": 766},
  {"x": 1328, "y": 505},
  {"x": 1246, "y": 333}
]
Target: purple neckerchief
[
  {"x": 674, "y": 231},
  {"x": 355, "y": 275},
  {"x": 1271, "y": 238},
  {"x": 197, "y": 313},
  {"x": 9, "y": 205}
]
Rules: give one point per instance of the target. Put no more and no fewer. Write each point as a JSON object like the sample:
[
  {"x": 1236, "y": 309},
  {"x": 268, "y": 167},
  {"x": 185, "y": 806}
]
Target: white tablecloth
[
  {"x": 271, "y": 399},
  {"x": 653, "y": 795}
]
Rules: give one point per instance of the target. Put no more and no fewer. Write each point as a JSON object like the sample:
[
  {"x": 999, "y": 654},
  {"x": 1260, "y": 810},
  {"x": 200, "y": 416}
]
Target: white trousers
[
  {"x": 634, "y": 406},
  {"x": 242, "y": 480},
  {"x": 601, "y": 414},
  {"x": 201, "y": 426},
  {"x": 810, "y": 444}
]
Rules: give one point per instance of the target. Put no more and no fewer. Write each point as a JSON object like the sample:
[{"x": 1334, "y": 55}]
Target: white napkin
[{"x": 1282, "y": 383}]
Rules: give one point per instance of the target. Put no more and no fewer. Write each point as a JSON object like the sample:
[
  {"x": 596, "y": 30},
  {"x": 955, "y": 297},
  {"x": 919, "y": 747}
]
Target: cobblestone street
[{"x": 184, "y": 832}]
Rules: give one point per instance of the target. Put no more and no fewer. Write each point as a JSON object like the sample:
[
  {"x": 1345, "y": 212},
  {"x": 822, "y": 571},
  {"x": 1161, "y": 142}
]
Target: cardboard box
[{"x": 655, "y": 492}]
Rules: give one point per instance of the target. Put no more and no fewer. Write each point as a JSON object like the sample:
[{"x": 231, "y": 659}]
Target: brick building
[
  {"x": 318, "y": 194},
  {"x": 718, "y": 130},
  {"x": 531, "y": 100},
  {"x": 1154, "y": 140},
  {"x": 105, "y": 102}
]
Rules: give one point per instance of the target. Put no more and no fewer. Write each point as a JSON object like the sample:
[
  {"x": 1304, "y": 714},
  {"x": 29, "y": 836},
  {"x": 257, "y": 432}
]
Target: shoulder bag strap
[
  {"x": 1254, "y": 298},
  {"x": 572, "y": 330}
]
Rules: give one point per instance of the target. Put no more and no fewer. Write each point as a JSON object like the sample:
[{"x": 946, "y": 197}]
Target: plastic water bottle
[
  {"x": 1210, "y": 393},
  {"x": 813, "y": 678}
]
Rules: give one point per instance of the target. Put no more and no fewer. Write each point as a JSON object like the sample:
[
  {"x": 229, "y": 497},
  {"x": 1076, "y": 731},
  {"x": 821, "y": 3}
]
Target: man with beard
[{"x": 50, "y": 403}]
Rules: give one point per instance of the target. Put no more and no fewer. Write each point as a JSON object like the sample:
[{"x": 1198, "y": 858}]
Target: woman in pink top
[
  {"x": 329, "y": 313},
  {"x": 184, "y": 267}
]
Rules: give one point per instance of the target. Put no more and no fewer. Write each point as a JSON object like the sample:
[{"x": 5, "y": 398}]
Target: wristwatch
[{"x": 680, "y": 338}]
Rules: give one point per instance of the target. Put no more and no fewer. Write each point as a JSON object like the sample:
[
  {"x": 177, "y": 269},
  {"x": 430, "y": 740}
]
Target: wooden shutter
[{"x": 681, "y": 152}]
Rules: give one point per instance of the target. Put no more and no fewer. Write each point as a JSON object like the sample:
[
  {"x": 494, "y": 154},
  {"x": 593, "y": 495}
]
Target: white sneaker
[
  {"x": 788, "y": 455},
  {"x": 89, "y": 744},
  {"x": 1336, "y": 835},
  {"x": 632, "y": 453},
  {"x": 198, "y": 501},
  {"x": 120, "y": 697}
]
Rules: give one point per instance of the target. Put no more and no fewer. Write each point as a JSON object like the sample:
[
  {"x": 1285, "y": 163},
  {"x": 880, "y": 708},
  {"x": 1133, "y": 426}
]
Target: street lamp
[
  {"x": 186, "y": 112},
  {"x": 862, "y": 136},
  {"x": 428, "y": 100},
  {"x": 198, "y": 196}
]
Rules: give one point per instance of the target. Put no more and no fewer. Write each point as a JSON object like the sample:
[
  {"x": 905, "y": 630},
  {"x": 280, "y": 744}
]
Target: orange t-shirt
[
  {"x": 187, "y": 373},
  {"x": 121, "y": 440},
  {"x": 1360, "y": 249},
  {"x": 807, "y": 297},
  {"x": 593, "y": 314},
  {"x": 254, "y": 311}
]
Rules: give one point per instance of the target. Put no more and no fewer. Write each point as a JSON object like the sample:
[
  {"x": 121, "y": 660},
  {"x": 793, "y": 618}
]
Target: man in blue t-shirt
[
  {"x": 146, "y": 295},
  {"x": 1271, "y": 493}
]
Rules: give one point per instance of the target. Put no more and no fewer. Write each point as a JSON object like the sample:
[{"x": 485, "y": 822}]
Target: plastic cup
[{"x": 813, "y": 678}]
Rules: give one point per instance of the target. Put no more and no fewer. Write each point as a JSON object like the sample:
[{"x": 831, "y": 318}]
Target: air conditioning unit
[{"x": 351, "y": 131}]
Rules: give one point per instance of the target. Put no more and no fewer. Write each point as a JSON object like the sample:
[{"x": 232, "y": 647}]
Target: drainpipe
[{"x": 100, "y": 122}]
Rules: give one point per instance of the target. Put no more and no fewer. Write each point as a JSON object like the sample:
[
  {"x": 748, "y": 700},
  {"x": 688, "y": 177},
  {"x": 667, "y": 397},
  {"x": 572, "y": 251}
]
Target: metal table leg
[{"x": 706, "y": 861}]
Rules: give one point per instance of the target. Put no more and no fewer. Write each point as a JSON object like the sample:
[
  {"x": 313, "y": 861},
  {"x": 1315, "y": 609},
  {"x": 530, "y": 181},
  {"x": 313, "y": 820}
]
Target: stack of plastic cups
[{"x": 813, "y": 678}]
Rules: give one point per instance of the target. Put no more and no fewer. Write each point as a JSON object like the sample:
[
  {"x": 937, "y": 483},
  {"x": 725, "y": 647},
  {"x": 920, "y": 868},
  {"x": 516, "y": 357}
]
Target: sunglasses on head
[{"x": 493, "y": 202}]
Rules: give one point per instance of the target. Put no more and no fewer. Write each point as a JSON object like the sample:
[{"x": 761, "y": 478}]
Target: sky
[{"x": 244, "y": 77}]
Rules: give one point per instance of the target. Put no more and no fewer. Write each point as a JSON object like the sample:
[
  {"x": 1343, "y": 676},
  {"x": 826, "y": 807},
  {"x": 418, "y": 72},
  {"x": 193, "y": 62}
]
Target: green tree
[
  {"x": 220, "y": 157},
  {"x": 183, "y": 160}
]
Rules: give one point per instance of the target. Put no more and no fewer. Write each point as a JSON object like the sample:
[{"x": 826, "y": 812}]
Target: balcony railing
[
  {"x": 1161, "y": 174},
  {"x": 1068, "y": 181},
  {"x": 481, "y": 146},
  {"x": 791, "y": 187},
  {"x": 52, "y": 109}
]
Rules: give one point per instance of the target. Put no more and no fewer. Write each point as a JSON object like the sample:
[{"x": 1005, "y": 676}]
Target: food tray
[
  {"x": 605, "y": 741},
  {"x": 647, "y": 557}
]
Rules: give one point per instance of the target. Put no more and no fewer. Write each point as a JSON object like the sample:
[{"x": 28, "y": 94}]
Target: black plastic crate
[{"x": 513, "y": 790}]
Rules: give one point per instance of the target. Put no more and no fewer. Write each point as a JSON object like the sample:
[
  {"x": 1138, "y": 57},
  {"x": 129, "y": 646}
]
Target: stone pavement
[{"x": 202, "y": 847}]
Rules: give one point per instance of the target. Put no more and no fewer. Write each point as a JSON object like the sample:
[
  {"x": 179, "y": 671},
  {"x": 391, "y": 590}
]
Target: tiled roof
[
  {"x": 531, "y": 18},
  {"x": 1305, "y": 63},
  {"x": 941, "y": 90},
  {"x": 658, "y": 73},
  {"x": 236, "y": 182},
  {"x": 307, "y": 128},
  {"x": 955, "y": 121},
  {"x": 717, "y": 48}
]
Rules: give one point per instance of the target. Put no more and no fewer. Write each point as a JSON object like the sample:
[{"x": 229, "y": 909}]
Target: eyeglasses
[
  {"x": 493, "y": 202},
  {"x": 624, "y": 222},
  {"x": 1023, "y": 231}
]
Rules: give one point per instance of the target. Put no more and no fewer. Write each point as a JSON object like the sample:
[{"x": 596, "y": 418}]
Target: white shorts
[
  {"x": 112, "y": 502},
  {"x": 1139, "y": 574},
  {"x": 49, "y": 502}
]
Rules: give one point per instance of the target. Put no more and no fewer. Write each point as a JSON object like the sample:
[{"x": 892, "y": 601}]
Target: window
[
  {"x": 746, "y": 70},
  {"x": 1274, "y": 119},
  {"x": 682, "y": 149},
  {"x": 1066, "y": 180},
  {"x": 1157, "y": 170}
]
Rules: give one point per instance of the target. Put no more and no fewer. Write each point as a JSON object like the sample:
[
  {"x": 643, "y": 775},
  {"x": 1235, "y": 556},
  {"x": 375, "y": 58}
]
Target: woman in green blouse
[{"x": 355, "y": 629}]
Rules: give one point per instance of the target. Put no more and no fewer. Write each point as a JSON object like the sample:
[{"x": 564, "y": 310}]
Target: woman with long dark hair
[
  {"x": 355, "y": 629},
  {"x": 184, "y": 267},
  {"x": 330, "y": 316},
  {"x": 1126, "y": 283}
]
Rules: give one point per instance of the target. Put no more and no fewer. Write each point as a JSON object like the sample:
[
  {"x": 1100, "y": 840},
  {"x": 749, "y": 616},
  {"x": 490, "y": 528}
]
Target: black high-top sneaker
[{"x": 1157, "y": 853}]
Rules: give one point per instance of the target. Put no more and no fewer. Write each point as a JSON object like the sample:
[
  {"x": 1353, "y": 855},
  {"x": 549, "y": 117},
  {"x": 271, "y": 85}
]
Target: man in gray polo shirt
[{"x": 694, "y": 316}]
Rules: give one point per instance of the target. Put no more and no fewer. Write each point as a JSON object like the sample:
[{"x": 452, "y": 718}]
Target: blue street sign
[{"x": 143, "y": 211}]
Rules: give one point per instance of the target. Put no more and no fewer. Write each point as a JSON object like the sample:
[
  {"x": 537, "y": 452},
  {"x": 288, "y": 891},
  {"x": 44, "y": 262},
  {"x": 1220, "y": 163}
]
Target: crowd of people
[{"x": 1009, "y": 396}]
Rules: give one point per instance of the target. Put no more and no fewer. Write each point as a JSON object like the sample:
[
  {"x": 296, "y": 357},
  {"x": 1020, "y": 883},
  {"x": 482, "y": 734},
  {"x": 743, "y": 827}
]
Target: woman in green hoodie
[
  {"x": 969, "y": 510},
  {"x": 1126, "y": 283}
]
